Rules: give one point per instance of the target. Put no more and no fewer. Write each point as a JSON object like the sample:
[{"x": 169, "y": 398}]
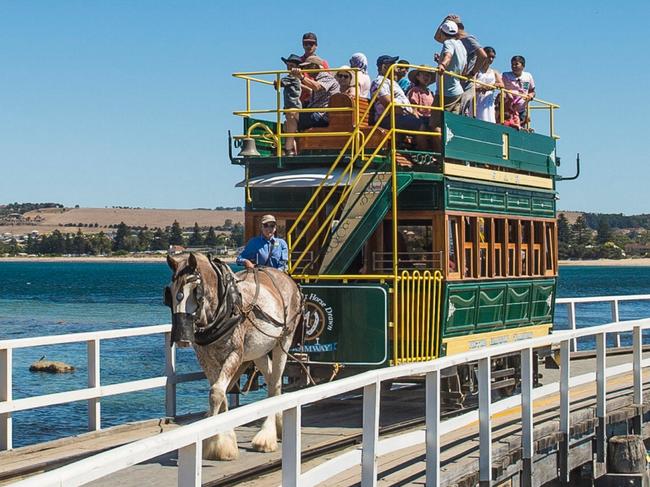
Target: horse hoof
[
  {"x": 221, "y": 447},
  {"x": 264, "y": 442}
]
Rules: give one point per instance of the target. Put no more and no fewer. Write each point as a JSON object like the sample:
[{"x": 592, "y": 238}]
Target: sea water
[{"x": 51, "y": 298}]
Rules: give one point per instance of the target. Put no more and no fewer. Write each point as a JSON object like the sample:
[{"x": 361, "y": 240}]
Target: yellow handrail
[
  {"x": 253, "y": 77},
  {"x": 335, "y": 163}
]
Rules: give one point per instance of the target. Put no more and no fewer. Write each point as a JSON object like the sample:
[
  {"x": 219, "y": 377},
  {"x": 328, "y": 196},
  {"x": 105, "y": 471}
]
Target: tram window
[
  {"x": 499, "y": 235},
  {"x": 513, "y": 240},
  {"x": 538, "y": 242},
  {"x": 414, "y": 246},
  {"x": 484, "y": 239},
  {"x": 468, "y": 246},
  {"x": 525, "y": 247},
  {"x": 549, "y": 249},
  {"x": 453, "y": 244}
]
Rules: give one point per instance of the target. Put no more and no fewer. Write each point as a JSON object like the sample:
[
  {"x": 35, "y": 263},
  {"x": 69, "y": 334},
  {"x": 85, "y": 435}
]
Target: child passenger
[
  {"x": 522, "y": 83},
  {"x": 291, "y": 93},
  {"x": 420, "y": 94}
]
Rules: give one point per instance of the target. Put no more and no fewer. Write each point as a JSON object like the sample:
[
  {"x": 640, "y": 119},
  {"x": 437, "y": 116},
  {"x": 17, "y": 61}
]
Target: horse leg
[
  {"x": 266, "y": 440},
  {"x": 224, "y": 445},
  {"x": 277, "y": 373}
]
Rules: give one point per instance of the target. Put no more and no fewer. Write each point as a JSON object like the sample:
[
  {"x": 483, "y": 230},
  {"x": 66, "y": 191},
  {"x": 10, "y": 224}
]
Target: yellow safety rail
[
  {"x": 417, "y": 333},
  {"x": 416, "y": 295}
]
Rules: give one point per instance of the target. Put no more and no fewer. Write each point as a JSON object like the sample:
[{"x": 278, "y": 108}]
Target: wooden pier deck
[{"x": 326, "y": 424}]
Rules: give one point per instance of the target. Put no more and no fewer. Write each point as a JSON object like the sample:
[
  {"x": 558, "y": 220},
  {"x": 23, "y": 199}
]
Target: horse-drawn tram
[{"x": 405, "y": 254}]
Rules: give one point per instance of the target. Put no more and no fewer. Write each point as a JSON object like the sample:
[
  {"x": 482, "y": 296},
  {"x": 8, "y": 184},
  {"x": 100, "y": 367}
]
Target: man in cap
[
  {"x": 453, "y": 59},
  {"x": 404, "y": 117},
  {"x": 266, "y": 249},
  {"x": 476, "y": 59},
  {"x": 322, "y": 86},
  {"x": 309, "y": 44},
  {"x": 476, "y": 55}
]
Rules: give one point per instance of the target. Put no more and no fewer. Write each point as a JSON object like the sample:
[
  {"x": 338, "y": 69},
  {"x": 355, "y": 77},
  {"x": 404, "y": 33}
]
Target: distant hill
[
  {"x": 614, "y": 220},
  {"x": 92, "y": 220}
]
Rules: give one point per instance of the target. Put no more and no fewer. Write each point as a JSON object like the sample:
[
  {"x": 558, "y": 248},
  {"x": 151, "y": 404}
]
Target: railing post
[
  {"x": 370, "y": 435},
  {"x": 432, "y": 417},
  {"x": 615, "y": 319},
  {"x": 6, "y": 433},
  {"x": 565, "y": 411},
  {"x": 170, "y": 374},
  {"x": 189, "y": 464},
  {"x": 527, "y": 415},
  {"x": 485, "y": 420},
  {"x": 291, "y": 448},
  {"x": 637, "y": 344},
  {"x": 572, "y": 324},
  {"x": 94, "y": 404},
  {"x": 601, "y": 397}
]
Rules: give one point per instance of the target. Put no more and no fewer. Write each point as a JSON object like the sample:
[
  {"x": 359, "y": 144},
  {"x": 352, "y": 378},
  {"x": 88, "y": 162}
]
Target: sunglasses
[
  {"x": 308, "y": 43},
  {"x": 268, "y": 225},
  {"x": 343, "y": 76}
]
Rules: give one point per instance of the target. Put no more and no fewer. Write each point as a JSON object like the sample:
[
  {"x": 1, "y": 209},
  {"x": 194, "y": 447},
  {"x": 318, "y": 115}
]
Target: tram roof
[{"x": 298, "y": 178}]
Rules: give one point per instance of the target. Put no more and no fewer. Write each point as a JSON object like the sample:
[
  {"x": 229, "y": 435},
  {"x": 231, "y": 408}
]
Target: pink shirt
[{"x": 421, "y": 96}]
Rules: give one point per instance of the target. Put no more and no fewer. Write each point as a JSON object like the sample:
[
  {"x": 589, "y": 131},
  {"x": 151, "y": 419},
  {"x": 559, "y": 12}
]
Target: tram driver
[{"x": 265, "y": 250}]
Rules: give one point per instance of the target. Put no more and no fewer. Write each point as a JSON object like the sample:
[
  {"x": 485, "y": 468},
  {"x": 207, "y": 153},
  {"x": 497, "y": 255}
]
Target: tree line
[
  {"x": 124, "y": 240},
  {"x": 593, "y": 236}
]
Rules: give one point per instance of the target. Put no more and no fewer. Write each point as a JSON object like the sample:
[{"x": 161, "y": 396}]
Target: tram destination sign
[{"x": 344, "y": 324}]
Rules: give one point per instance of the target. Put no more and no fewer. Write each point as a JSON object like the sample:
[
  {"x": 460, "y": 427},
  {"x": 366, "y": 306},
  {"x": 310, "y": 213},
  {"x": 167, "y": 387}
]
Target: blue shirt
[
  {"x": 405, "y": 84},
  {"x": 456, "y": 65},
  {"x": 263, "y": 252}
]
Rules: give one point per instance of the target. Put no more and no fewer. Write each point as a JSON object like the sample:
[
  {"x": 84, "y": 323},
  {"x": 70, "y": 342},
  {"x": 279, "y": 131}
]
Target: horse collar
[{"x": 228, "y": 313}]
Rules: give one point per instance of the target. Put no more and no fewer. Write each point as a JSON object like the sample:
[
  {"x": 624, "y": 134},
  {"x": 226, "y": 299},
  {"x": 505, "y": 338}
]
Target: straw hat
[{"x": 414, "y": 72}]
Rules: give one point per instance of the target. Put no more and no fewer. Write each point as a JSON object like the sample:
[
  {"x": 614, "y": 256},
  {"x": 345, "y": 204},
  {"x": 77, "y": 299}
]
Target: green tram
[{"x": 406, "y": 255}]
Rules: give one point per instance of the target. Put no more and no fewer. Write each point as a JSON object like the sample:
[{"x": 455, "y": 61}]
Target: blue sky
[{"x": 129, "y": 102}]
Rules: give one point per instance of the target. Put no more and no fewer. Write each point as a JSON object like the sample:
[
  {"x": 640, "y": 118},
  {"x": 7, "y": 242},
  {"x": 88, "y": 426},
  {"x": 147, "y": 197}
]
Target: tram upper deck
[{"x": 465, "y": 146}]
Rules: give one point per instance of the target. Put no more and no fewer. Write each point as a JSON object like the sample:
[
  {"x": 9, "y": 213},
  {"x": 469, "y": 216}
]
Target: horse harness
[{"x": 231, "y": 312}]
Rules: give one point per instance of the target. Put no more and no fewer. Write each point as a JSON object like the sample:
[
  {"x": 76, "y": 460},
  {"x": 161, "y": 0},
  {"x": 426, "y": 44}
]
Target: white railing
[
  {"x": 95, "y": 391},
  {"x": 614, "y": 301},
  {"x": 188, "y": 439}
]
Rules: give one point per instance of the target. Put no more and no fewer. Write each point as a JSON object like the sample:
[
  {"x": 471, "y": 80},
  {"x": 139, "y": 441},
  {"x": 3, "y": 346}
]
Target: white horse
[{"x": 232, "y": 319}]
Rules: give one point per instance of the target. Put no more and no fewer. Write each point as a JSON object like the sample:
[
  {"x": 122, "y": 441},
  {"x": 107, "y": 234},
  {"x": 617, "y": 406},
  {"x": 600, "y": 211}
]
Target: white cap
[{"x": 449, "y": 27}]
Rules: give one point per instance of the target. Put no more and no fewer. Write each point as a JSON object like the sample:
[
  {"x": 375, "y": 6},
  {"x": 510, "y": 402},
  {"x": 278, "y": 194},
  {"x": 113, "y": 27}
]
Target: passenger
[
  {"x": 291, "y": 93},
  {"x": 511, "y": 117},
  {"x": 309, "y": 44},
  {"x": 266, "y": 250},
  {"x": 521, "y": 82},
  {"x": 485, "y": 96},
  {"x": 404, "y": 117},
  {"x": 401, "y": 75},
  {"x": 322, "y": 86},
  {"x": 346, "y": 82},
  {"x": 476, "y": 55},
  {"x": 360, "y": 61},
  {"x": 420, "y": 94},
  {"x": 476, "y": 59},
  {"x": 452, "y": 58}
]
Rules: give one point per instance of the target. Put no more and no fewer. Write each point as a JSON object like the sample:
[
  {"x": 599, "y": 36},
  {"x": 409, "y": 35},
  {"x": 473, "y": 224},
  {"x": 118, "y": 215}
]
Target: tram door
[{"x": 415, "y": 335}]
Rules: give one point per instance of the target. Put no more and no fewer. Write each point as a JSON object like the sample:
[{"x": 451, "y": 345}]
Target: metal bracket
[{"x": 565, "y": 178}]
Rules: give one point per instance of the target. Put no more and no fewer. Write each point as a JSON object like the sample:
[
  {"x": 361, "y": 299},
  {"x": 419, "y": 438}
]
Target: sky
[{"x": 128, "y": 103}]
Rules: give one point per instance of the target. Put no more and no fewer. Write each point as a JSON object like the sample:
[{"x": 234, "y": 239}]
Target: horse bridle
[{"x": 228, "y": 312}]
